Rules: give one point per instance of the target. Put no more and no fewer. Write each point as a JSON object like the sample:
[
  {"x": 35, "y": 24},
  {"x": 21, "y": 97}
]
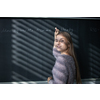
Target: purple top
[{"x": 64, "y": 70}]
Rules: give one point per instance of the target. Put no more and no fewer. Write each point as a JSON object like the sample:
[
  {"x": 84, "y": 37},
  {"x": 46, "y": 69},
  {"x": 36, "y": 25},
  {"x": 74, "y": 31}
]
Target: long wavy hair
[{"x": 71, "y": 52}]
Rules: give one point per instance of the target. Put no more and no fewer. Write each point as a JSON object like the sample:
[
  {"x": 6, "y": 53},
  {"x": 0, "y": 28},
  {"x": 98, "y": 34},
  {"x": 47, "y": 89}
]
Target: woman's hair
[{"x": 72, "y": 53}]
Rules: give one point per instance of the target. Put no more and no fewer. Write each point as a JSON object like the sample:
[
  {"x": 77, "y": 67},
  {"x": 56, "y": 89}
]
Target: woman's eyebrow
[{"x": 60, "y": 38}]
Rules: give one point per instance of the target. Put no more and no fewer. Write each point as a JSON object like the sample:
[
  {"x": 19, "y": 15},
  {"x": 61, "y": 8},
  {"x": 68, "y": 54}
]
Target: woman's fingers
[
  {"x": 56, "y": 30},
  {"x": 49, "y": 78}
]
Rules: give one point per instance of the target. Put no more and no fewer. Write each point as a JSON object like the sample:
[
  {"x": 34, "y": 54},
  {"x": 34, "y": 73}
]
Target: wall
[{"x": 26, "y": 47}]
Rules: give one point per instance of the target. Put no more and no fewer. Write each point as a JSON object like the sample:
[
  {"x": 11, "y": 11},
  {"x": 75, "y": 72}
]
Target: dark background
[{"x": 26, "y": 47}]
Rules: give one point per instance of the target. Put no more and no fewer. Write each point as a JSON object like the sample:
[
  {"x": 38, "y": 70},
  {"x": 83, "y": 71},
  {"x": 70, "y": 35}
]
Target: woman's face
[{"x": 61, "y": 43}]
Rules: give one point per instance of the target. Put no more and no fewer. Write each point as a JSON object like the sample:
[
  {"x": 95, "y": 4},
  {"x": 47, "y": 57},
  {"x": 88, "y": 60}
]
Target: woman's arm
[
  {"x": 55, "y": 33},
  {"x": 55, "y": 51}
]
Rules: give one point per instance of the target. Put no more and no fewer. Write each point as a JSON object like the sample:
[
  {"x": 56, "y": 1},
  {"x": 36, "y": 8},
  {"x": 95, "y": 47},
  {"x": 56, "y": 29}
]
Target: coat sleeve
[{"x": 60, "y": 72}]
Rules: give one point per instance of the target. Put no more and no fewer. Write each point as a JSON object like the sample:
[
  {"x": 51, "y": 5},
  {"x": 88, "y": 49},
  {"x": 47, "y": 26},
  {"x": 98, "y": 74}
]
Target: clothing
[{"x": 64, "y": 70}]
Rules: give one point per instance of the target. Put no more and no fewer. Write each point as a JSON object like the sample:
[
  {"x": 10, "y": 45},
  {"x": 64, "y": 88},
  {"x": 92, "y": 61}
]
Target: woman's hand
[
  {"x": 49, "y": 78},
  {"x": 56, "y": 31}
]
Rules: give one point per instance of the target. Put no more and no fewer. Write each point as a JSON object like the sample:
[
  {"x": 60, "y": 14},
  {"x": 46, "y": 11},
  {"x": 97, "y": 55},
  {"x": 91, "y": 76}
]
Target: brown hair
[{"x": 71, "y": 52}]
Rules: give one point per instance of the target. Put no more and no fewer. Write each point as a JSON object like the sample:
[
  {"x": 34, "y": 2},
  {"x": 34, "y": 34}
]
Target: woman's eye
[
  {"x": 56, "y": 40},
  {"x": 62, "y": 40}
]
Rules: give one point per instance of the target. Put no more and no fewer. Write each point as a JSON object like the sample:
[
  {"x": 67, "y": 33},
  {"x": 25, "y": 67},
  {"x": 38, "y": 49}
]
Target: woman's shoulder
[
  {"x": 56, "y": 53},
  {"x": 65, "y": 58},
  {"x": 62, "y": 57},
  {"x": 55, "y": 50}
]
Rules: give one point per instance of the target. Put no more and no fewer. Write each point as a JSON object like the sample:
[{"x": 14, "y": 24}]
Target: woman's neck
[{"x": 65, "y": 53}]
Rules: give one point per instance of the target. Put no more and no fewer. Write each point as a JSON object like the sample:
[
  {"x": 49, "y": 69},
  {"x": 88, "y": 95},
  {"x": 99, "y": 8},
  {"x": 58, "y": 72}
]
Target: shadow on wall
[
  {"x": 94, "y": 61},
  {"x": 32, "y": 42}
]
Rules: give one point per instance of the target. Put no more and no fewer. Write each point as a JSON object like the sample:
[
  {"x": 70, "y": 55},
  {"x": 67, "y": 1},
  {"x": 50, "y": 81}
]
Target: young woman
[{"x": 66, "y": 67}]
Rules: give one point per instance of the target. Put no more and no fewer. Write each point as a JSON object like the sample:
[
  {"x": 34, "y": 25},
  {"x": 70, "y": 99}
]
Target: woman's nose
[{"x": 58, "y": 42}]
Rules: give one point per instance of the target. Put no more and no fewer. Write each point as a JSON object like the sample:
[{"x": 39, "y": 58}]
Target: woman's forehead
[{"x": 61, "y": 37}]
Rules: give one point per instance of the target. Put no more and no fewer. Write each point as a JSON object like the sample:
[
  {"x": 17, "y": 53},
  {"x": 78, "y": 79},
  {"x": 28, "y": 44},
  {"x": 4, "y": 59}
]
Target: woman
[{"x": 66, "y": 67}]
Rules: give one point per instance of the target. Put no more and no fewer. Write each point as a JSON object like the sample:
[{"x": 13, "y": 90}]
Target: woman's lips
[{"x": 59, "y": 47}]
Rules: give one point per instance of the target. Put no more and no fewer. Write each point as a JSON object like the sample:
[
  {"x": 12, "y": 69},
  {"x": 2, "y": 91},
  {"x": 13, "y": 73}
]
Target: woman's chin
[{"x": 58, "y": 49}]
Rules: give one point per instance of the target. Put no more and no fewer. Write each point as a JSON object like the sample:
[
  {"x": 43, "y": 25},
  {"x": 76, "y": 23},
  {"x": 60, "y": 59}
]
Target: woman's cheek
[
  {"x": 64, "y": 46},
  {"x": 55, "y": 44}
]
